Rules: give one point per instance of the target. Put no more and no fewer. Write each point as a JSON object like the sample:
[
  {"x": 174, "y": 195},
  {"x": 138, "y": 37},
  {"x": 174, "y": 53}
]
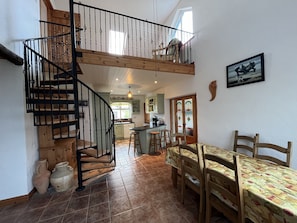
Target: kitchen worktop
[
  {"x": 146, "y": 127},
  {"x": 145, "y": 136}
]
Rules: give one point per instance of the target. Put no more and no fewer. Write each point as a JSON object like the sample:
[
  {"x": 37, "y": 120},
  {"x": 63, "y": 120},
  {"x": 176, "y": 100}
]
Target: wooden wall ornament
[{"x": 213, "y": 89}]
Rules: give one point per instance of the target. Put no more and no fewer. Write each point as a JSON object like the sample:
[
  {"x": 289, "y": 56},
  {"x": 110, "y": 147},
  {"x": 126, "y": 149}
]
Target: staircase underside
[{"x": 105, "y": 59}]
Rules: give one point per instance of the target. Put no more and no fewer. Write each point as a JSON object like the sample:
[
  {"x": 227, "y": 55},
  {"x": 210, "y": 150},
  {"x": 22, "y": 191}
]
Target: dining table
[{"x": 270, "y": 190}]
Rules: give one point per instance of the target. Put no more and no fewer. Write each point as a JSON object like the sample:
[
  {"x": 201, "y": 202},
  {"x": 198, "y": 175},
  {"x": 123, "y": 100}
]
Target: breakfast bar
[{"x": 144, "y": 135}]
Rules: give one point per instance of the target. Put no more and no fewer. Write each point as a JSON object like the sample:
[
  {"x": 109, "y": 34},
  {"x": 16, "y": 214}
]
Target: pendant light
[{"x": 129, "y": 93}]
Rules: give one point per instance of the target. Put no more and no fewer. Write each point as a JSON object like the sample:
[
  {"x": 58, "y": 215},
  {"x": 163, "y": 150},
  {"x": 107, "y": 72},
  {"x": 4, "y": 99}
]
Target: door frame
[{"x": 173, "y": 121}]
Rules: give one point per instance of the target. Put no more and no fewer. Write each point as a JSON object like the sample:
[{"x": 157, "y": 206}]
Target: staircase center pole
[{"x": 75, "y": 88}]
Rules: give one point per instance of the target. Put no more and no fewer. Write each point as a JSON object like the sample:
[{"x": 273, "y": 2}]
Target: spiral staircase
[{"x": 67, "y": 106}]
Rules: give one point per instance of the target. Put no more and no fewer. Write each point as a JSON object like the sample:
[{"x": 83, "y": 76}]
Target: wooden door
[
  {"x": 184, "y": 117},
  {"x": 60, "y": 48}
]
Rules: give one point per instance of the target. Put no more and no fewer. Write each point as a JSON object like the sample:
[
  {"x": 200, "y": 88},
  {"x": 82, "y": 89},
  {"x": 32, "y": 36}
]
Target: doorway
[{"x": 183, "y": 117}]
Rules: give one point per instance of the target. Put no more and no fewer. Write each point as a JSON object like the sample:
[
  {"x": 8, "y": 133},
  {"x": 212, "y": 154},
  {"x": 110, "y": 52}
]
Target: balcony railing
[{"x": 115, "y": 33}]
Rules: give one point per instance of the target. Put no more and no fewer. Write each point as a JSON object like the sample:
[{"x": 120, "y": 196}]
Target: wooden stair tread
[
  {"x": 54, "y": 109},
  {"x": 102, "y": 159},
  {"x": 93, "y": 166},
  {"x": 90, "y": 152},
  {"x": 64, "y": 135},
  {"x": 62, "y": 98},
  {"x": 83, "y": 144},
  {"x": 95, "y": 174},
  {"x": 56, "y": 121}
]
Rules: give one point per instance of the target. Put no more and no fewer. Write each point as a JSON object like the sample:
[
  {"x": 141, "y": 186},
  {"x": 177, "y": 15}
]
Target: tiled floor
[{"x": 139, "y": 190}]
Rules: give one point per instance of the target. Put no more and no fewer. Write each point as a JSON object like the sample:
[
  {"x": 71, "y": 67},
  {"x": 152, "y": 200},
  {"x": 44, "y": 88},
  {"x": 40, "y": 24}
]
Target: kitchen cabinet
[
  {"x": 136, "y": 106},
  {"x": 127, "y": 130},
  {"x": 119, "y": 131},
  {"x": 122, "y": 130},
  {"x": 155, "y": 104}
]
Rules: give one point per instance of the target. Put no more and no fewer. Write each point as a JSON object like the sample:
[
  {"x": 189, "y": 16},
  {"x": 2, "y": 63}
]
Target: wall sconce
[{"x": 129, "y": 93}]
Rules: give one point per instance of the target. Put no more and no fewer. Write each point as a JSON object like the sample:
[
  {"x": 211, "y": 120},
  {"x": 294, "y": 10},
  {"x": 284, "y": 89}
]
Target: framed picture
[{"x": 247, "y": 71}]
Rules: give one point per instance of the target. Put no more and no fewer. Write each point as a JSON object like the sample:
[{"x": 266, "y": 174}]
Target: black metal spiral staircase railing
[{"x": 57, "y": 98}]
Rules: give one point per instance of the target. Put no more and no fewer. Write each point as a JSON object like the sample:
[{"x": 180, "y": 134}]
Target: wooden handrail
[{"x": 10, "y": 56}]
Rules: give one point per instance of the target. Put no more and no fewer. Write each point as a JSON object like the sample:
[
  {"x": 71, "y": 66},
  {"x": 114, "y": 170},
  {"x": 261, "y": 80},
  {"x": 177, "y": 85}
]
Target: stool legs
[
  {"x": 130, "y": 140},
  {"x": 155, "y": 142},
  {"x": 165, "y": 138},
  {"x": 136, "y": 144}
]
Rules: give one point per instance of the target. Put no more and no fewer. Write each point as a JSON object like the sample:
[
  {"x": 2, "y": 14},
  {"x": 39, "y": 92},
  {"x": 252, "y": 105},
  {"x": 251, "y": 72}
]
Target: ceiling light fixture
[{"x": 129, "y": 93}]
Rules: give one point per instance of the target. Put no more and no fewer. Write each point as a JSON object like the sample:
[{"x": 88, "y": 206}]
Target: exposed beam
[{"x": 105, "y": 59}]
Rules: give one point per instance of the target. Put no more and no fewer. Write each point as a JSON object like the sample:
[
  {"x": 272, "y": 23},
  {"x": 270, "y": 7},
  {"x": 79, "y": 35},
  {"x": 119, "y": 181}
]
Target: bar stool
[
  {"x": 136, "y": 142},
  {"x": 165, "y": 138},
  {"x": 155, "y": 142}
]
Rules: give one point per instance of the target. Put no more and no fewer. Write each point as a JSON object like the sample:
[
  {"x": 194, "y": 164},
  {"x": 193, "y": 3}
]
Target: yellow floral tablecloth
[{"x": 270, "y": 191}]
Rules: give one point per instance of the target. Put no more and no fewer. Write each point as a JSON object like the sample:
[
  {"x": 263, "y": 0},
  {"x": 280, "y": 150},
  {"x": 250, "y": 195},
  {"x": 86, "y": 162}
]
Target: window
[
  {"x": 116, "y": 42},
  {"x": 183, "y": 21},
  {"x": 122, "y": 110}
]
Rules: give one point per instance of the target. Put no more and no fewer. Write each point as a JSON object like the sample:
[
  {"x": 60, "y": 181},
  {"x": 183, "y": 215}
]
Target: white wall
[
  {"x": 18, "y": 148},
  {"x": 229, "y": 31}
]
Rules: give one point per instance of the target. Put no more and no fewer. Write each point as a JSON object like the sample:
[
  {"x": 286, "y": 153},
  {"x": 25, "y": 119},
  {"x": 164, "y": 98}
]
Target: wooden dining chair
[
  {"x": 192, "y": 176},
  {"x": 223, "y": 192},
  {"x": 177, "y": 139},
  {"x": 267, "y": 149},
  {"x": 245, "y": 144}
]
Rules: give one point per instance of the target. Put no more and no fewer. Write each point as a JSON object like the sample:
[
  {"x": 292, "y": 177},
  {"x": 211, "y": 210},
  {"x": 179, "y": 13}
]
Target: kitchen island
[{"x": 145, "y": 136}]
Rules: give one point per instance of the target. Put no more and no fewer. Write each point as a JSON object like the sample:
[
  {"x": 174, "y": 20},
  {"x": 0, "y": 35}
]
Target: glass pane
[
  {"x": 189, "y": 116},
  {"x": 179, "y": 116},
  {"x": 122, "y": 110}
]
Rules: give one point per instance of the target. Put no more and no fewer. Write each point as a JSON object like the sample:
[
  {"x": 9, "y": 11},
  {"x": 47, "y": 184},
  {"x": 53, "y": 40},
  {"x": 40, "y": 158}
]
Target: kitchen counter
[
  {"x": 144, "y": 135},
  {"x": 122, "y": 129}
]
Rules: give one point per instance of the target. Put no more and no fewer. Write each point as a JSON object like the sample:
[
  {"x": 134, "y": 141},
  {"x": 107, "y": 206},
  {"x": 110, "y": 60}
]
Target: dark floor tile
[
  {"x": 138, "y": 190},
  {"x": 30, "y": 216},
  {"x": 99, "y": 197},
  {"x": 8, "y": 218},
  {"x": 100, "y": 186},
  {"x": 76, "y": 204},
  {"x": 123, "y": 217},
  {"x": 54, "y": 210},
  {"x": 53, "y": 220},
  {"x": 117, "y": 193},
  {"x": 120, "y": 205},
  {"x": 99, "y": 212},
  {"x": 14, "y": 209},
  {"x": 39, "y": 200},
  {"x": 79, "y": 216},
  {"x": 61, "y": 197}
]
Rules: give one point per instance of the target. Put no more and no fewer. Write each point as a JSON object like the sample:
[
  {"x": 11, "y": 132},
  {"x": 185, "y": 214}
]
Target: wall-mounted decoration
[
  {"x": 247, "y": 71},
  {"x": 213, "y": 89}
]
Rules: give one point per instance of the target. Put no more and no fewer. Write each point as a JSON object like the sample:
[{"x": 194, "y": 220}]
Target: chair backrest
[
  {"x": 192, "y": 174},
  {"x": 173, "y": 47},
  {"x": 245, "y": 143},
  {"x": 178, "y": 139},
  {"x": 267, "y": 148},
  {"x": 190, "y": 166},
  {"x": 223, "y": 191}
]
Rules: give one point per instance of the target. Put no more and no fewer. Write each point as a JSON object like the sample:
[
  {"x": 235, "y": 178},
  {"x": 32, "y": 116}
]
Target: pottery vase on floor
[
  {"x": 62, "y": 177},
  {"x": 41, "y": 177}
]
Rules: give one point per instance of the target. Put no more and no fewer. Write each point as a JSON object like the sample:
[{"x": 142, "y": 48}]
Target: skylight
[{"x": 116, "y": 42}]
